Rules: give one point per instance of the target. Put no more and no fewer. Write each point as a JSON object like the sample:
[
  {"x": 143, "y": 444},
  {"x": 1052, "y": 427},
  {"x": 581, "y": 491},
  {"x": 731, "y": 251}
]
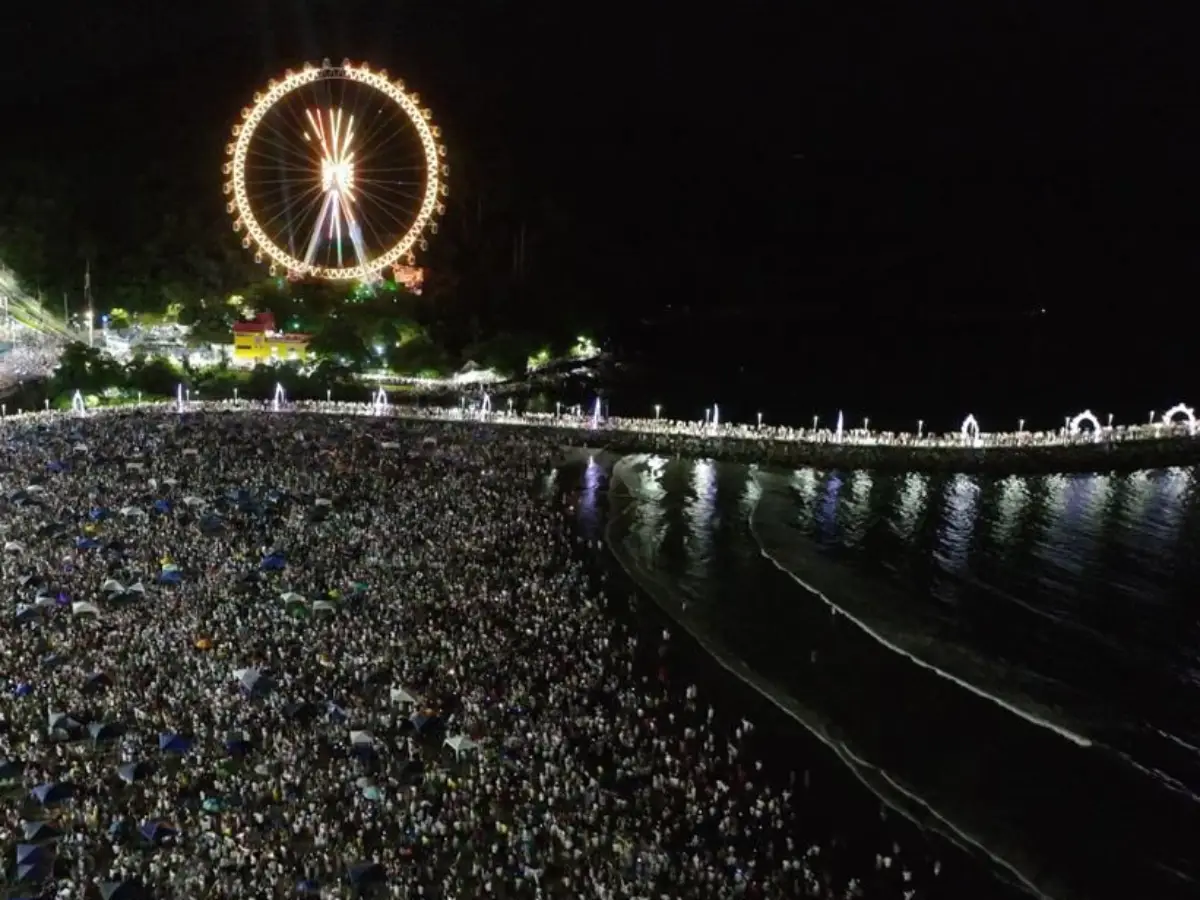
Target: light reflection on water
[
  {"x": 1078, "y": 589},
  {"x": 907, "y": 513},
  {"x": 959, "y": 510}
]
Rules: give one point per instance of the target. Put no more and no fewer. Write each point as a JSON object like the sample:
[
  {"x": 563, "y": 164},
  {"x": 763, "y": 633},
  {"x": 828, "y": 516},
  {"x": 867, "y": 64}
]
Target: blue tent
[
  {"x": 133, "y": 771},
  {"x": 30, "y": 872},
  {"x": 170, "y": 575},
  {"x": 211, "y": 523},
  {"x": 363, "y": 873},
  {"x": 105, "y": 731},
  {"x": 173, "y": 743},
  {"x": 31, "y": 854},
  {"x": 162, "y": 506},
  {"x": 336, "y": 713},
  {"x": 86, "y": 543},
  {"x": 253, "y": 681},
  {"x": 24, "y": 689},
  {"x": 51, "y": 660},
  {"x": 155, "y": 832},
  {"x": 37, "y": 832},
  {"x": 52, "y": 793},
  {"x": 95, "y": 682},
  {"x": 274, "y": 562},
  {"x": 56, "y": 466},
  {"x": 120, "y": 890},
  {"x": 308, "y": 887},
  {"x": 237, "y": 744},
  {"x": 98, "y": 513}
]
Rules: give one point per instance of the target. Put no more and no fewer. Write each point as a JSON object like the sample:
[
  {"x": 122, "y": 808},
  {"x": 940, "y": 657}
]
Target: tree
[
  {"x": 84, "y": 368},
  {"x": 153, "y": 376}
]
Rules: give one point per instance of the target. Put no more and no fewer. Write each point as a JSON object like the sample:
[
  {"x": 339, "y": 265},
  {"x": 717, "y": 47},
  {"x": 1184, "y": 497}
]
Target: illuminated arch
[
  {"x": 1181, "y": 409},
  {"x": 1090, "y": 418},
  {"x": 970, "y": 431}
]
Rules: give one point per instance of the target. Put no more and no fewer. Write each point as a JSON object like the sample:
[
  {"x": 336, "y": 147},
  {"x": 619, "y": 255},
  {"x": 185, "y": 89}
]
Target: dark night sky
[{"x": 942, "y": 170}]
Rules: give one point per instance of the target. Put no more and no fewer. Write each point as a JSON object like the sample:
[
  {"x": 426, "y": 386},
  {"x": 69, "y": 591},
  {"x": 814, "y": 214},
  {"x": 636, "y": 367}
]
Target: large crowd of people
[{"x": 252, "y": 655}]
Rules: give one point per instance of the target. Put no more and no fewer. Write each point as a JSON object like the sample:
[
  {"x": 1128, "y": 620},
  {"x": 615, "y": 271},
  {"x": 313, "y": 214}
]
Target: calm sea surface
[{"x": 1012, "y": 662}]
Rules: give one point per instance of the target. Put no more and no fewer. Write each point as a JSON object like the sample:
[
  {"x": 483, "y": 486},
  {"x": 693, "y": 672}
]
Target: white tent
[
  {"x": 83, "y": 608},
  {"x": 43, "y": 600},
  {"x": 134, "y": 466},
  {"x": 14, "y": 547},
  {"x": 323, "y": 606},
  {"x": 190, "y": 451},
  {"x": 389, "y": 445},
  {"x": 35, "y": 489},
  {"x": 112, "y": 586},
  {"x": 132, "y": 512},
  {"x": 323, "y": 501},
  {"x": 192, "y": 501},
  {"x": 81, "y": 448},
  {"x": 171, "y": 481},
  {"x": 460, "y": 742},
  {"x": 136, "y": 588},
  {"x": 403, "y": 695},
  {"x": 292, "y": 597},
  {"x": 429, "y": 441},
  {"x": 362, "y": 739}
]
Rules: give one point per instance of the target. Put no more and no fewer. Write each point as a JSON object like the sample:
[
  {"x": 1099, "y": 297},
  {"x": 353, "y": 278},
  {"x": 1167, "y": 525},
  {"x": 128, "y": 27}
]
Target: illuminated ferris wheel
[{"x": 335, "y": 172}]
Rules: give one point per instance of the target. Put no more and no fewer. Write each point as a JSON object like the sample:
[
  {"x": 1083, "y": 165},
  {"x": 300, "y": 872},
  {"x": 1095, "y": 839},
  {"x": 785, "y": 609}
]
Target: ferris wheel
[{"x": 336, "y": 172}]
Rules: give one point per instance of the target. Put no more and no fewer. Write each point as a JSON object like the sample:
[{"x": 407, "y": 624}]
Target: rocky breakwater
[{"x": 998, "y": 459}]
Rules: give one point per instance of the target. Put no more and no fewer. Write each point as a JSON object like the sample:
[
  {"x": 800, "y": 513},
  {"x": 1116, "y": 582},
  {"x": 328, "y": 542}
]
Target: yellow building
[{"x": 257, "y": 341}]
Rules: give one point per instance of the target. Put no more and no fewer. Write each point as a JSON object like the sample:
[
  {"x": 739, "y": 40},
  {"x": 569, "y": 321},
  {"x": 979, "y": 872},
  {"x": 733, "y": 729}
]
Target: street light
[
  {"x": 657, "y": 410},
  {"x": 760, "y": 420}
]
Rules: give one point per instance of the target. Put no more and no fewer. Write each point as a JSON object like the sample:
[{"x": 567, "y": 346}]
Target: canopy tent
[
  {"x": 404, "y": 695},
  {"x": 14, "y": 547},
  {"x": 251, "y": 681},
  {"x": 174, "y": 744},
  {"x": 460, "y": 743},
  {"x": 133, "y": 771},
  {"x": 133, "y": 512},
  {"x": 83, "y": 608},
  {"x": 52, "y": 793},
  {"x": 102, "y": 732},
  {"x": 274, "y": 562},
  {"x": 38, "y": 832}
]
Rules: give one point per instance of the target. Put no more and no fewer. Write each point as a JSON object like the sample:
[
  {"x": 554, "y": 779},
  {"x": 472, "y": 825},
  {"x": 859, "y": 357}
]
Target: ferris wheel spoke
[
  {"x": 379, "y": 143},
  {"x": 394, "y": 193},
  {"x": 291, "y": 204},
  {"x": 388, "y": 218},
  {"x": 278, "y": 149}
]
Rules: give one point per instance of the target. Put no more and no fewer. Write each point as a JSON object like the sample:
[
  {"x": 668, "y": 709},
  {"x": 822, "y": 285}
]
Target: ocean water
[{"x": 1013, "y": 663}]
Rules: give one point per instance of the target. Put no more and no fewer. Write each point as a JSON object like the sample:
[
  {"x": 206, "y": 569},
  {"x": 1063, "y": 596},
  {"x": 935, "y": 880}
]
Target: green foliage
[
  {"x": 86, "y": 369},
  {"x": 153, "y": 376}
]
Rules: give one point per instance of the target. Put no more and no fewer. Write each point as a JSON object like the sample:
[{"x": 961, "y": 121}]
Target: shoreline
[{"x": 731, "y": 682}]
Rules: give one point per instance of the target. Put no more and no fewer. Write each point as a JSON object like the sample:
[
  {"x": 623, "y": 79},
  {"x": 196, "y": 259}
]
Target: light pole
[
  {"x": 657, "y": 410},
  {"x": 920, "y": 428},
  {"x": 760, "y": 420},
  {"x": 1020, "y": 426}
]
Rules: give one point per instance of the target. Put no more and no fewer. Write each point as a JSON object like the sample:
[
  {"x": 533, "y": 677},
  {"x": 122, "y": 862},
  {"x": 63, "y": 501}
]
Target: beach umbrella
[
  {"x": 132, "y": 772},
  {"x": 173, "y": 744},
  {"x": 52, "y": 793},
  {"x": 38, "y": 832}
]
